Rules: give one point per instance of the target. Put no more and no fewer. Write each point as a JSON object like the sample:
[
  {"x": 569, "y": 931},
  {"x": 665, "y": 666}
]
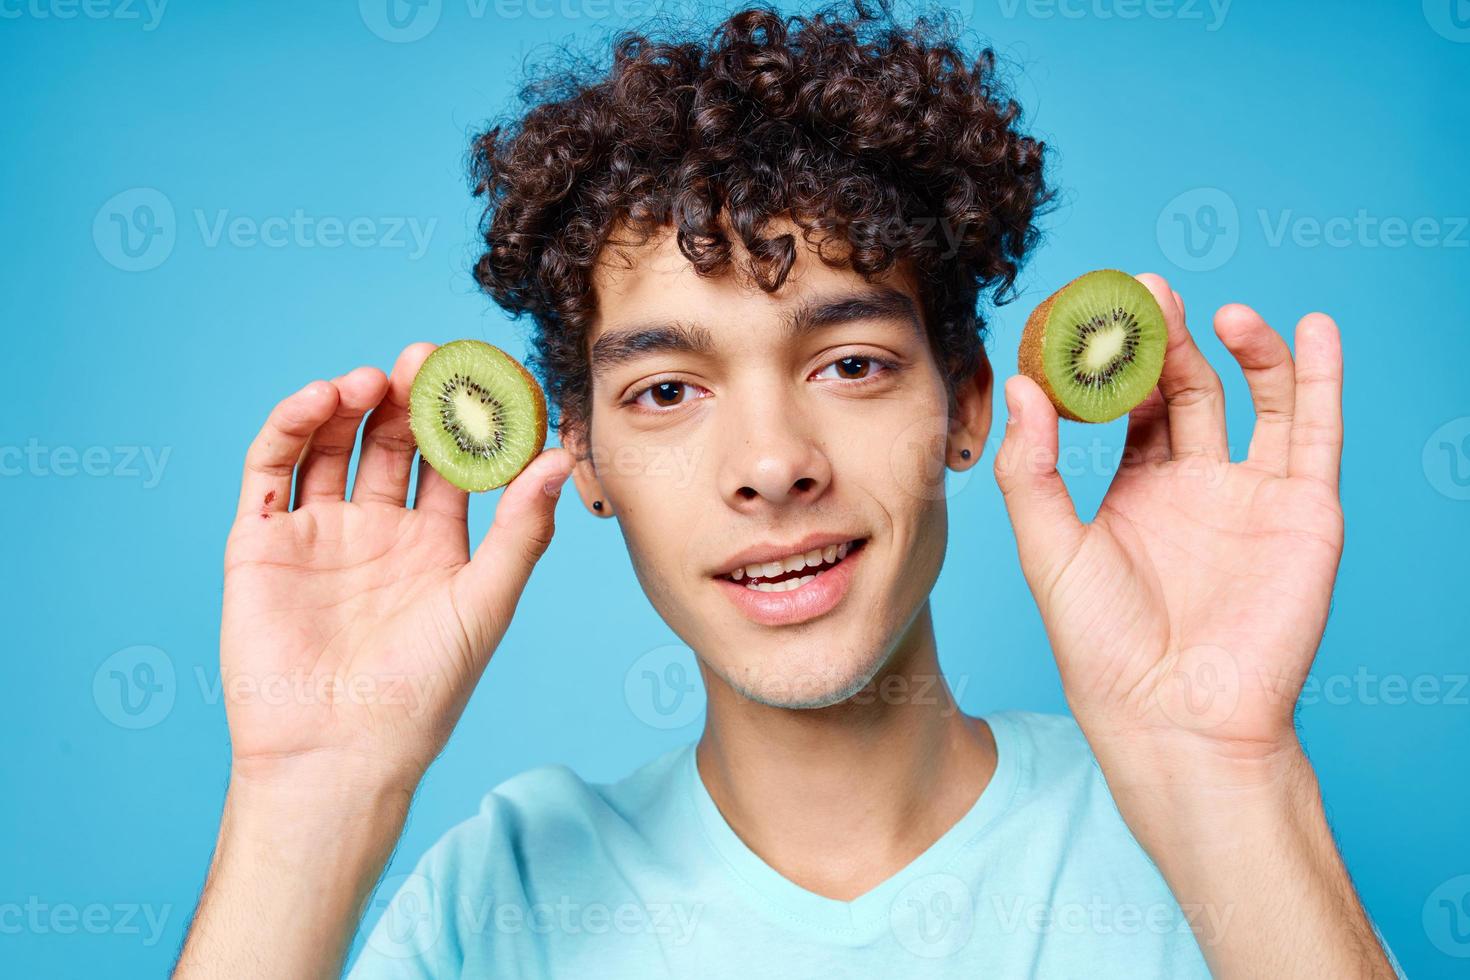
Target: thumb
[
  {"x": 1048, "y": 532},
  {"x": 487, "y": 589}
]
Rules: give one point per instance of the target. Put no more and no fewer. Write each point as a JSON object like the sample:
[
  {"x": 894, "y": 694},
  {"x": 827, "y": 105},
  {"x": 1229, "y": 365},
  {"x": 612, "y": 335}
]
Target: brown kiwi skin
[
  {"x": 1033, "y": 338},
  {"x": 538, "y": 419}
]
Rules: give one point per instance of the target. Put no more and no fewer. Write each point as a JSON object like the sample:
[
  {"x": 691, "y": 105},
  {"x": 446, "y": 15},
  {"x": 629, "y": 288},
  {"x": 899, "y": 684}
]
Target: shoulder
[
  {"x": 1049, "y": 745},
  {"x": 543, "y": 836},
  {"x": 1053, "y": 764},
  {"x": 548, "y": 818}
]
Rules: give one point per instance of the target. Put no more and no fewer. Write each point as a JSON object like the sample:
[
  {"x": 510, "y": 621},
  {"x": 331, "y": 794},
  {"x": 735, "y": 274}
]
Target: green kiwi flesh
[
  {"x": 478, "y": 416},
  {"x": 1096, "y": 346}
]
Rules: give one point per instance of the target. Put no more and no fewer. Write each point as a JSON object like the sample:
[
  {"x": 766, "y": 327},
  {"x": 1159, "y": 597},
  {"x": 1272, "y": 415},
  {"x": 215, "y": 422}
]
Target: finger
[
  {"x": 387, "y": 442},
  {"x": 434, "y": 493},
  {"x": 488, "y": 588},
  {"x": 265, "y": 487},
  {"x": 1048, "y": 532},
  {"x": 322, "y": 474},
  {"x": 1192, "y": 391},
  {"x": 1148, "y": 433},
  {"x": 1316, "y": 428},
  {"x": 1265, "y": 360}
]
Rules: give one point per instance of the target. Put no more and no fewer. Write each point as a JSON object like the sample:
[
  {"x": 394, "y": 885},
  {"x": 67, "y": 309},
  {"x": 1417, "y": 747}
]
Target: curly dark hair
[{"x": 844, "y": 121}]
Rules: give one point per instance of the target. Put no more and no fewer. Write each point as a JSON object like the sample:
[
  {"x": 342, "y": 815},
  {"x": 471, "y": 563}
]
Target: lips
[{"x": 785, "y": 593}]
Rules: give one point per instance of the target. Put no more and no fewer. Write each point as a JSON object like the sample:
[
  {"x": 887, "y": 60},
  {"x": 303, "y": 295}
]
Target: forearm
[
  {"x": 295, "y": 861},
  {"x": 1247, "y": 851}
]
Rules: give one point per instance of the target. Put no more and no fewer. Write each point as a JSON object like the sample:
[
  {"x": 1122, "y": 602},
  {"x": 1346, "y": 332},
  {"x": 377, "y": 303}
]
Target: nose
[{"x": 774, "y": 457}]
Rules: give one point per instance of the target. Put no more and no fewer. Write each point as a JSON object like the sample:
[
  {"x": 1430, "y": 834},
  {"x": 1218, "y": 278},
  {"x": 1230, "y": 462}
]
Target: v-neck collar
[{"x": 859, "y": 920}]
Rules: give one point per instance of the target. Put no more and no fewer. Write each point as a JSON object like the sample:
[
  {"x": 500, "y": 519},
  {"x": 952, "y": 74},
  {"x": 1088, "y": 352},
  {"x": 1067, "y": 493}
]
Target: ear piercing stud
[
  {"x": 597, "y": 505},
  {"x": 964, "y": 454}
]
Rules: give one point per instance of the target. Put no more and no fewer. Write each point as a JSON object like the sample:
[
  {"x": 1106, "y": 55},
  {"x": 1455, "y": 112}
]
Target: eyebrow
[{"x": 878, "y": 303}]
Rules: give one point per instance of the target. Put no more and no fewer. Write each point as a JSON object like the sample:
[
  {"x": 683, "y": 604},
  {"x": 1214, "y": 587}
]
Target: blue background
[{"x": 1164, "y": 118}]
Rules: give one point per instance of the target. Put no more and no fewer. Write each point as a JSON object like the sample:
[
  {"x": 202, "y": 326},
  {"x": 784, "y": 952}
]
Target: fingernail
[
  {"x": 1012, "y": 410},
  {"x": 553, "y": 485}
]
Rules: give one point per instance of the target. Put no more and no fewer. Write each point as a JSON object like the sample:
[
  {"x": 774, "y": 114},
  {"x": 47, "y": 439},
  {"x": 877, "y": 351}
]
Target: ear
[
  {"x": 574, "y": 438},
  {"x": 970, "y": 415}
]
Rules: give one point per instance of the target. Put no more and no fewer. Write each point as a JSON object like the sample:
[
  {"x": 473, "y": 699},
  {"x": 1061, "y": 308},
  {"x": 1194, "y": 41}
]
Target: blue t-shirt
[
  {"x": 643, "y": 878},
  {"x": 556, "y": 877}
]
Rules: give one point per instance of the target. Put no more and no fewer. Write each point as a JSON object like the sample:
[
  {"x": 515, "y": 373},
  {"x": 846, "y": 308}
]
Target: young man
[{"x": 764, "y": 253}]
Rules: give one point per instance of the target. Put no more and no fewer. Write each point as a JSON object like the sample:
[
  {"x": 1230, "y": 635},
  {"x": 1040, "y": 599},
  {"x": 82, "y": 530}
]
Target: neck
[{"x": 838, "y": 799}]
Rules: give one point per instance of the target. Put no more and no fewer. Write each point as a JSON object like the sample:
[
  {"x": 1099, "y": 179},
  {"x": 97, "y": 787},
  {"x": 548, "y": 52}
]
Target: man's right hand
[
  {"x": 357, "y": 629},
  {"x": 353, "y": 633}
]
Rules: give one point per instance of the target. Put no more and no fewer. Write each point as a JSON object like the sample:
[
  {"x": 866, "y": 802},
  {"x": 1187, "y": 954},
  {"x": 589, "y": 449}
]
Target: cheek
[
  {"x": 656, "y": 474},
  {"x": 904, "y": 457},
  {"x": 655, "y": 490}
]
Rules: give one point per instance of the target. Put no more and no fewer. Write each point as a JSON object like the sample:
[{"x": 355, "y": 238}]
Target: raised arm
[
  {"x": 353, "y": 634},
  {"x": 1184, "y": 620}
]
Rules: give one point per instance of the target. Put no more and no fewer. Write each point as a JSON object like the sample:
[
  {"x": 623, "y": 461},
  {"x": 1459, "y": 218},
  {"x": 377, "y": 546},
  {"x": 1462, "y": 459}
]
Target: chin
[{"x": 802, "y": 678}]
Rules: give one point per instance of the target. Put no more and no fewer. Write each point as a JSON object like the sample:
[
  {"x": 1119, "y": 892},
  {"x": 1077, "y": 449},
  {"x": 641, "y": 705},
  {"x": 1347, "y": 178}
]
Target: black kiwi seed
[{"x": 450, "y": 420}]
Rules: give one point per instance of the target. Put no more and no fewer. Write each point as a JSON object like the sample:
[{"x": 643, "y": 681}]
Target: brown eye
[
  {"x": 667, "y": 392},
  {"x": 663, "y": 394},
  {"x": 850, "y": 368}
]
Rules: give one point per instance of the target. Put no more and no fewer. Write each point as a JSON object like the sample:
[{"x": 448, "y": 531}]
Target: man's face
[{"x": 731, "y": 428}]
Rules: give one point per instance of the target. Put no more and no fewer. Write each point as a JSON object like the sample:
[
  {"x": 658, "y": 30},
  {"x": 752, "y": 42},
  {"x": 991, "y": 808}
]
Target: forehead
[{"x": 654, "y": 282}]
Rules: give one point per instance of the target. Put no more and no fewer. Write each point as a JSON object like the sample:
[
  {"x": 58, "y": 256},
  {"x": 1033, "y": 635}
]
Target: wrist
[
  {"x": 300, "y": 847},
  {"x": 345, "y": 777},
  {"x": 1178, "y": 769},
  {"x": 1189, "y": 791},
  {"x": 1244, "y": 837},
  {"x": 313, "y": 814}
]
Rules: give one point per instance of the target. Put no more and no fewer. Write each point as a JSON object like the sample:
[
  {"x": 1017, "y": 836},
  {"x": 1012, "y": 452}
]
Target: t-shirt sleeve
[
  {"x": 453, "y": 913},
  {"x": 413, "y": 937},
  {"x": 423, "y": 923}
]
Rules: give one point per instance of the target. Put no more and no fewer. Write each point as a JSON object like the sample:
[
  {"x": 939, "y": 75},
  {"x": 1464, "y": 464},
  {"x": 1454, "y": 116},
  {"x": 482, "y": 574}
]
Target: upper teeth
[{"x": 793, "y": 563}]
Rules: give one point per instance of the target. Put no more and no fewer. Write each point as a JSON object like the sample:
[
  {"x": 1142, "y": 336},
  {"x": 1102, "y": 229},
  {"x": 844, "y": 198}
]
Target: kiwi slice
[
  {"x": 1096, "y": 346},
  {"x": 478, "y": 416}
]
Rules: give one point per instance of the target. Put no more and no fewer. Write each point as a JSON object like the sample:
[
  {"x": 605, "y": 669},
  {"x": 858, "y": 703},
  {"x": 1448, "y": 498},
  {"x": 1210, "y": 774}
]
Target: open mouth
[{"x": 794, "y": 571}]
